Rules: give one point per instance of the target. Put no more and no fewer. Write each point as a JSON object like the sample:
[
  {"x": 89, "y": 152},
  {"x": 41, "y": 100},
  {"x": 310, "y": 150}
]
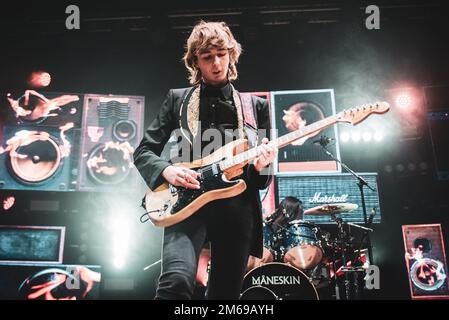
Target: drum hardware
[
  {"x": 331, "y": 263},
  {"x": 361, "y": 182},
  {"x": 353, "y": 265}
]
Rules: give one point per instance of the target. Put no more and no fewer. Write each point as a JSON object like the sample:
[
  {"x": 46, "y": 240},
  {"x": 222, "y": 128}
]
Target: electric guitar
[{"x": 168, "y": 204}]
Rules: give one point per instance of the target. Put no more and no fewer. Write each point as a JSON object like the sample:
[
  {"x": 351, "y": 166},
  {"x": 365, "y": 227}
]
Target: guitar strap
[
  {"x": 249, "y": 119},
  {"x": 248, "y": 110}
]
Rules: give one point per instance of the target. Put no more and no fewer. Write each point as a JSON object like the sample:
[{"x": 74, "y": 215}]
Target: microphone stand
[{"x": 361, "y": 182}]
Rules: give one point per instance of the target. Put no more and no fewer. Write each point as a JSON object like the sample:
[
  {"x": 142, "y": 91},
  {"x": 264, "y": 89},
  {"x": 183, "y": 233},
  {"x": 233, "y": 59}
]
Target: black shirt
[{"x": 217, "y": 111}]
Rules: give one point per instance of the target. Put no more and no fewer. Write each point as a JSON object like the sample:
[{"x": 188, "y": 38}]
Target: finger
[
  {"x": 262, "y": 149},
  {"x": 264, "y": 153},
  {"x": 184, "y": 183},
  {"x": 10, "y": 99},
  {"x": 272, "y": 152},
  {"x": 193, "y": 173},
  {"x": 191, "y": 179},
  {"x": 189, "y": 185},
  {"x": 188, "y": 175},
  {"x": 265, "y": 140}
]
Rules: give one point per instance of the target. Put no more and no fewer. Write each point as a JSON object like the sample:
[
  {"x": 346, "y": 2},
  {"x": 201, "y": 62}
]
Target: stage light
[
  {"x": 121, "y": 238},
  {"x": 355, "y": 136},
  {"x": 411, "y": 166},
  {"x": 378, "y": 136},
  {"x": 345, "y": 136},
  {"x": 388, "y": 168},
  {"x": 404, "y": 100},
  {"x": 119, "y": 262},
  {"x": 367, "y": 136},
  {"x": 400, "y": 167},
  {"x": 408, "y": 111}
]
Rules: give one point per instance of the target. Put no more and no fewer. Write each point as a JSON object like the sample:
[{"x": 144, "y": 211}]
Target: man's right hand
[{"x": 181, "y": 177}]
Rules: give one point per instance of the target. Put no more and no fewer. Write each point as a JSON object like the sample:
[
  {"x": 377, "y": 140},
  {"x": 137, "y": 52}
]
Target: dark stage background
[{"x": 136, "y": 49}]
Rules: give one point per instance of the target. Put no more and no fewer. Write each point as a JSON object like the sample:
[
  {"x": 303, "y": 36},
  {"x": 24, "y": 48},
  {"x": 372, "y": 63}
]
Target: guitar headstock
[{"x": 358, "y": 114}]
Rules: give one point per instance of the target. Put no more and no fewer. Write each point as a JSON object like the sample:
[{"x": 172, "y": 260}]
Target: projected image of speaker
[
  {"x": 425, "y": 259},
  {"x": 38, "y": 150},
  {"x": 112, "y": 127},
  {"x": 49, "y": 109},
  {"x": 49, "y": 282},
  {"x": 38, "y": 158}
]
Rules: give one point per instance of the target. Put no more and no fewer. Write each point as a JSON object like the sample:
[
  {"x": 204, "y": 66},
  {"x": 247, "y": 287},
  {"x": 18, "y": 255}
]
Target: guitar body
[{"x": 168, "y": 205}]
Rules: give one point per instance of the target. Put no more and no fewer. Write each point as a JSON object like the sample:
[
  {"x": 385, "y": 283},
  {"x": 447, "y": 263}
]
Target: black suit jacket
[{"x": 150, "y": 165}]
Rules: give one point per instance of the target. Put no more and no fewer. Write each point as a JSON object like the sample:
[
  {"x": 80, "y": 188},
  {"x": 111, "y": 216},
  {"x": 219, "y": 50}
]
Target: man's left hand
[{"x": 267, "y": 155}]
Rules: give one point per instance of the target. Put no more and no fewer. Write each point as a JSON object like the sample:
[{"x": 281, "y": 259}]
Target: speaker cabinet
[
  {"x": 38, "y": 158},
  {"x": 426, "y": 261},
  {"x": 112, "y": 127},
  {"x": 39, "y": 143}
]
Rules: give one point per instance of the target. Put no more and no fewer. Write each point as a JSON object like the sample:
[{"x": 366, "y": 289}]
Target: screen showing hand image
[
  {"x": 295, "y": 110},
  {"x": 49, "y": 282}
]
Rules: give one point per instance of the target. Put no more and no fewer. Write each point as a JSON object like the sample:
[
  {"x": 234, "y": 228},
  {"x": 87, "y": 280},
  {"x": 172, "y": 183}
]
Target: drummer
[
  {"x": 275, "y": 225},
  {"x": 289, "y": 209}
]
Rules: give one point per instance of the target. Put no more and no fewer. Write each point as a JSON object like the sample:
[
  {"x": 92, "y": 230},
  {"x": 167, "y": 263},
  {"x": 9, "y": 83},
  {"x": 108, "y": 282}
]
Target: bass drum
[{"x": 277, "y": 281}]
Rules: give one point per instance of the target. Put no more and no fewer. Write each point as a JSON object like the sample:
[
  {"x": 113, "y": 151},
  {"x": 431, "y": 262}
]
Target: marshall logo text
[{"x": 317, "y": 198}]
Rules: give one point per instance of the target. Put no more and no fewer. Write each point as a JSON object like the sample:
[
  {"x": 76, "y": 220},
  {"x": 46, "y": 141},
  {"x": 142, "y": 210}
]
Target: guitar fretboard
[{"x": 279, "y": 142}]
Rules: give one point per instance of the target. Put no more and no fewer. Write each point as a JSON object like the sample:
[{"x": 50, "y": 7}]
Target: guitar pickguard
[{"x": 211, "y": 178}]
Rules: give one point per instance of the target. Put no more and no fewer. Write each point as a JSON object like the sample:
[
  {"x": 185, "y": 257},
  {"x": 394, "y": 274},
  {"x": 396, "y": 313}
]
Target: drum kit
[{"x": 302, "y": 261}]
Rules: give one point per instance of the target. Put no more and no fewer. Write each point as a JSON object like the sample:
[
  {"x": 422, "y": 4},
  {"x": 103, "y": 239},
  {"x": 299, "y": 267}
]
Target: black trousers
[{"x": 228, "y": 225}]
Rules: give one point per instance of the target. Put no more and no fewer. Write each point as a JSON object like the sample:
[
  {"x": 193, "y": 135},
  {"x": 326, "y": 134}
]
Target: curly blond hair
[{"x": 204, "y": 36}]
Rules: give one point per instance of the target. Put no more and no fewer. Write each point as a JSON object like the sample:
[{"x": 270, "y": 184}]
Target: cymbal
[{"x": 331, "y": 208}]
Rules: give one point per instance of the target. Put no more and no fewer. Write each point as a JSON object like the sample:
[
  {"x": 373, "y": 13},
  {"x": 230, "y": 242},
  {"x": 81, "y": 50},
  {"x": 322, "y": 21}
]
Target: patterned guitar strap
[{"x": 249, "y": 119}]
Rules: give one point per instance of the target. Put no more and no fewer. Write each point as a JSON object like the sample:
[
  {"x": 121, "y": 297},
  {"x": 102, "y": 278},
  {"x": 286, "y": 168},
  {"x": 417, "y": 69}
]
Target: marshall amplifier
[{"x": 317, "y": 190}]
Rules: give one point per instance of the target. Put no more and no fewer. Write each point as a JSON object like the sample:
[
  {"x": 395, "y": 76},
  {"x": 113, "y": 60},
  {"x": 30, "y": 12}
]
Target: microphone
[{"x": 323, "y": 140}]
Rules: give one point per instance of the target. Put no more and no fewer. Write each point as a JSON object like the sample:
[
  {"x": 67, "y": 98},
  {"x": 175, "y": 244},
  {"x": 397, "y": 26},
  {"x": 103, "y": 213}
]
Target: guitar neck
[{"x": 279, "y": 142}]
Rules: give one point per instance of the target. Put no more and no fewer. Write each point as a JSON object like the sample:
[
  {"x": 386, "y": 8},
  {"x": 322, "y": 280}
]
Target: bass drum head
[
  {"x": 286, "y": 283},
  {"x": 258, "y": 293}
]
